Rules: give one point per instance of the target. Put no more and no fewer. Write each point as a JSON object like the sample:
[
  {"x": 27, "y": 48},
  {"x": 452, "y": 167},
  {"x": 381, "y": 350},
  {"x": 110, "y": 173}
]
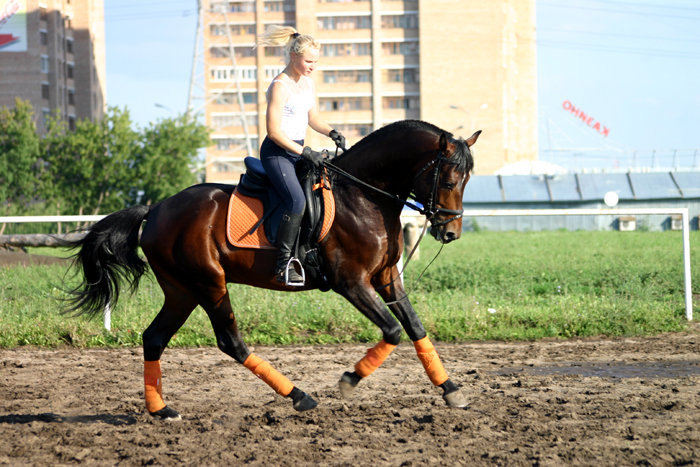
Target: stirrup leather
[{"x": 290, "y": 264}]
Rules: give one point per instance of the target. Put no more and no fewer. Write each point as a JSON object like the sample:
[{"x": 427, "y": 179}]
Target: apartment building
[
  {"x": 460, "y": 64},
  {"x": 52, "y": 53}
]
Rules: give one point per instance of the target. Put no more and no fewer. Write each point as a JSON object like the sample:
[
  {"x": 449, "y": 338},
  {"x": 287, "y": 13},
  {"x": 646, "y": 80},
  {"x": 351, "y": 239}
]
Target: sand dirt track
[{"x": 613, "y": 401}]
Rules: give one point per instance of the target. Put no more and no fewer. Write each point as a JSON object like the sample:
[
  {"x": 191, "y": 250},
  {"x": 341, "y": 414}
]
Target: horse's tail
[{"x": 108, "y": 254}]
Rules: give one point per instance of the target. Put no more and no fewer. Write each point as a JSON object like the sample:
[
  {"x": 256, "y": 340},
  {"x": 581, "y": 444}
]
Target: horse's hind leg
[
  {"x": 176, "y": 309},
  {"x": 229, "y": 340}
]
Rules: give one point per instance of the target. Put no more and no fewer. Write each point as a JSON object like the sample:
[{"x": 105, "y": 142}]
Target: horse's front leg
[
  {"x": 391, "y": 289},
  {"x": 362, "y": 295}
]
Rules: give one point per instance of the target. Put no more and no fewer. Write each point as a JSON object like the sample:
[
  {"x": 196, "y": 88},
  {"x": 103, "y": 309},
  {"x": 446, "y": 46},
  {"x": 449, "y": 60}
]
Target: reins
[{"x": 429, "y": 212}]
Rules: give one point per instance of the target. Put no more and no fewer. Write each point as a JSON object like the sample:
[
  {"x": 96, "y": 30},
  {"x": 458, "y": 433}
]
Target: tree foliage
[
  {"x": 100, "y": 167},
  {"x": 19, "y": 157}
]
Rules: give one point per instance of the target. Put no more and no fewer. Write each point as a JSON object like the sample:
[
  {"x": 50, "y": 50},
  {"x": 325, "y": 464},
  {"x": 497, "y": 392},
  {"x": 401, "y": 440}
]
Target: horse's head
[{"x": 439, "y": 186}]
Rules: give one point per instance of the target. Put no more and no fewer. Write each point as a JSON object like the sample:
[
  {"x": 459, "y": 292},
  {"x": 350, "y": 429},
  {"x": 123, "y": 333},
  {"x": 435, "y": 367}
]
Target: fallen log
[{"x": 24, "y": 240}]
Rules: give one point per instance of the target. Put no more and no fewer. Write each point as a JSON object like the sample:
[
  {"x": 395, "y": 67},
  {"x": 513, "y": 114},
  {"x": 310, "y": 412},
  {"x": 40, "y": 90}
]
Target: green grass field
[{"x": 488, "y": 285}]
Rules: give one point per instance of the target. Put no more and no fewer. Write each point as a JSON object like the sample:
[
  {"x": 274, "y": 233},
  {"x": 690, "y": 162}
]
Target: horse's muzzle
[{"x": 442, "y": 234}]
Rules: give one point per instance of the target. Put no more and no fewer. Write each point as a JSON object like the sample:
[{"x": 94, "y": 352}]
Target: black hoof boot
[
  {"x": 166, "y": 413},
  {"x": 452, "y": 395},
  {"x": 347, "y": 384},
  {"x": 302, "y": 401}
]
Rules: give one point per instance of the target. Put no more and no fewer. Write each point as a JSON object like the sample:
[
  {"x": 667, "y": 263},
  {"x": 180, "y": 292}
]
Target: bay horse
[{"x": 185, "y": 243}]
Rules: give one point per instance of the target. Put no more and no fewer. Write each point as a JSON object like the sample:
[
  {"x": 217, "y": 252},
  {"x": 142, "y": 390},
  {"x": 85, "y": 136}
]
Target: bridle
[{"x": 430, "y": 209}]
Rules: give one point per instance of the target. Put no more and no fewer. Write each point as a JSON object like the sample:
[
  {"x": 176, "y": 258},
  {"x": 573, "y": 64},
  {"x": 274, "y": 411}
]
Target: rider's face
[{"x": 305, "y": 63}]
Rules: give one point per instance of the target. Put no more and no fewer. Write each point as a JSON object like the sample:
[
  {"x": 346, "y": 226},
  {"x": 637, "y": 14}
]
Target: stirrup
[{"x": 290, "y": 264}]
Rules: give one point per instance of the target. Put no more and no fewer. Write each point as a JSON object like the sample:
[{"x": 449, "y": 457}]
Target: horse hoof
[
  {"x": 167, "y": 414},
  {"x": 305, "y": 403},
  {"x": 347, "y": 384},
  {"x": 455, "y": 399}
]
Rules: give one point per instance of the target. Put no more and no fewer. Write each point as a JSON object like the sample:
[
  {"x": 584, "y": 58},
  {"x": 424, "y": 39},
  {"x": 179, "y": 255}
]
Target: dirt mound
[{"x": 609, "y": 401}]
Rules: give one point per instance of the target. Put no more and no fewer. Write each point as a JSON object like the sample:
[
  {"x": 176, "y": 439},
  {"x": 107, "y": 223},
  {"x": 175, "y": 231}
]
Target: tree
[
  {"x": 165, "y": 163},
  {"x": 19, "y": 158},
  {"x": 91, "y": 167}
]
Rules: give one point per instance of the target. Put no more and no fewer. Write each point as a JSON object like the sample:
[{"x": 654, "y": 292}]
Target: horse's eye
[{"x": 448, "y": 186}]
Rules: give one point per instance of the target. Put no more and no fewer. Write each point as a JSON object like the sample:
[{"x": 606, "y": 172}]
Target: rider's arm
[
  {"x": 276, "y": 97},
  {"x": 317, "y": 123}
]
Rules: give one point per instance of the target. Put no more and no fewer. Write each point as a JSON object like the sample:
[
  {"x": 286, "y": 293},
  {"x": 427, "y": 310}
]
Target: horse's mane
[{"x": 461, "y": 157}]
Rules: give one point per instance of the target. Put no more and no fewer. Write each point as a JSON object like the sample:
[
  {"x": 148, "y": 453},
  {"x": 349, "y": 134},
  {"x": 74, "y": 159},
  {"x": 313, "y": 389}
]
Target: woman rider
[{"x": 291, "y": 107}]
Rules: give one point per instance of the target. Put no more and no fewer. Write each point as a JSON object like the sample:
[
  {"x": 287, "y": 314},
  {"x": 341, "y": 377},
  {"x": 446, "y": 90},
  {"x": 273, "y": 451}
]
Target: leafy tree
[
  {"x": 91, "y": 167},
  {"x": 165, "y": 163},
  {"x": 19, "y": 157}
]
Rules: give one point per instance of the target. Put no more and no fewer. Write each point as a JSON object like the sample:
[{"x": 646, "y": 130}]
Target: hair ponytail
[{"x": 289, "y": 38}]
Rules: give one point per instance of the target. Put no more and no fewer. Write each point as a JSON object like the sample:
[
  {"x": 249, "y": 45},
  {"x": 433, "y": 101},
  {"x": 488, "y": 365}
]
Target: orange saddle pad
[{"x": 244, "y": 228}]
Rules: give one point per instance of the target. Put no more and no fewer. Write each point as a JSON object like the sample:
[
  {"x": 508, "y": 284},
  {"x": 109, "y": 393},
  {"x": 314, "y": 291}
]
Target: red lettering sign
[{"x": 588, "y": 120}]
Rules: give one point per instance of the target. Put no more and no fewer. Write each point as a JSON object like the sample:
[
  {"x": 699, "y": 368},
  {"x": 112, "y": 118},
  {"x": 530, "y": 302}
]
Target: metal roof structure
[{"x": 581, "y": 187}]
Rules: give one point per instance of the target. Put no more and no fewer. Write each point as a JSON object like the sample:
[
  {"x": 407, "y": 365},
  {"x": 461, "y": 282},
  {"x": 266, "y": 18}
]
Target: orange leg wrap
[
  {"x": 431, "y": 361},
  {"x": 374, "y": 358},
  {"x": 272, "y": 377},
  {"x": 153, "y": 386}
]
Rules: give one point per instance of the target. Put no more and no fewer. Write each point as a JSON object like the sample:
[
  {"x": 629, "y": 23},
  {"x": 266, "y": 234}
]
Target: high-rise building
[
  {"x": 460, "y": 64},
  {"x": 52, "y": 53}
]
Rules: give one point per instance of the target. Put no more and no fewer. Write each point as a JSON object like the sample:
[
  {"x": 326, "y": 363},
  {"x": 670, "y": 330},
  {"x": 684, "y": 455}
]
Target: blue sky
[{"x": 632, "y": 67}]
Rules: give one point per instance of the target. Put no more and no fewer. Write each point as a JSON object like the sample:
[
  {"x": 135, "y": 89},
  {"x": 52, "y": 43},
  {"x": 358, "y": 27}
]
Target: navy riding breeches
[{"x": 279, "y": 165}]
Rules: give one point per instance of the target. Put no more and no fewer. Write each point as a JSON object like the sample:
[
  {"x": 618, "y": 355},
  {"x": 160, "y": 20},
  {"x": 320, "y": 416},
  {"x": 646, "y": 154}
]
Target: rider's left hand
[{"x": 338, "y": 139}]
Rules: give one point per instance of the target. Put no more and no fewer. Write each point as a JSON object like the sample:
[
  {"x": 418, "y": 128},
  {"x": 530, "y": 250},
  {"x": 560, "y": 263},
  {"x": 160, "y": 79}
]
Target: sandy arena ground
[
  {"x": 632, "y": 401},
  {"x": 629, "y": 401}
]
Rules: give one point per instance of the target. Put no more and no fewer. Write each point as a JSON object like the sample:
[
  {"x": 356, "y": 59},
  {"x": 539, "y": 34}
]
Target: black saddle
[{"x": 254, "y": 183}]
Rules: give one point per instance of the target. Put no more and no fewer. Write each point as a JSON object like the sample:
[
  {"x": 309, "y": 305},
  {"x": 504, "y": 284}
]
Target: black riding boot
[{"x": 286, "y": 237}]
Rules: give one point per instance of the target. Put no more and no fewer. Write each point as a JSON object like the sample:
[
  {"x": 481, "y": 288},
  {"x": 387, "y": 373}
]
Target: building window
[
  {"x": 44, "y": 37},
  {"x": 406, "y": 75},
  {"x": 45, "y": 94},
  {"x": 347, "y": 76},
  {"x": 274, "y": 51},
  {"x": 400, "y": 48},
  {"x": 69, "y": 70},
  {"x": 223, "y": 52},
  {"x": 341, "y": 104},
  {"x": 44, "y": 63},
  {"x": 69, "y": 45},
  {"x": 279, "y": 5},
  {"x": 71, "y": 122},
  {"x": 228, "y": 98},
  {"x": 353, "y": 130},
  {"x": 399, "y": 102},
  {"x": 344, "y": 22},
  {"x": 227, "y": 74},
  {"x": 232, "y": 119},
  {"x": 71, "y": 97},
  {"x": 346, "y": 50},
  {"x": 405, "y": 21},
  {"x": 272, "y": 71},
  {"x": 234, "y": 143}
]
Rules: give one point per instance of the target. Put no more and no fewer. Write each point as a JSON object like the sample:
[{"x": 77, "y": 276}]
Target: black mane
[{"x": 461, "y": 157}]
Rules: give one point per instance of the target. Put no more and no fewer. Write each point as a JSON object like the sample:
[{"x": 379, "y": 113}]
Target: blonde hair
[{"x": 289, "y": 38}]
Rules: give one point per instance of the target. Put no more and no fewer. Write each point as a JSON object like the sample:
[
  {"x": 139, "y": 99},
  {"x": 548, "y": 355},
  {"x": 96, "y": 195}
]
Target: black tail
[{"x": 108, "y": 254}]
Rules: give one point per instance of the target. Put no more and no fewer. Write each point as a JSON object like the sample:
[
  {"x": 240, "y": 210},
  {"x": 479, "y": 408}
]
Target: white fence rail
[{"x": 683, "y": 212}]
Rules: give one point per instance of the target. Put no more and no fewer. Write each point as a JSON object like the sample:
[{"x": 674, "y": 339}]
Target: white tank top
[{"x": 295, "y": 113}]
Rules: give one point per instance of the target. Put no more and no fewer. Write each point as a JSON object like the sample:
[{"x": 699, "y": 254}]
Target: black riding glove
[
  {"x": 338, "y": 139},
  {"x": 315, "y": 157}
]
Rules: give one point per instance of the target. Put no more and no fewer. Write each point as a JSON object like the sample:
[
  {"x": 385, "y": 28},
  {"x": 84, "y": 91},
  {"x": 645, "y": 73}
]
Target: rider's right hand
[{"x": 315, "y": 157}]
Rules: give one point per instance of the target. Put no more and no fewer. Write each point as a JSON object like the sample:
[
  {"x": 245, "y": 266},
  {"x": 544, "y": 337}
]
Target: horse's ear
[
  {"x": 443, "y": 142},
  {"x": 472, "y": 139}
]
